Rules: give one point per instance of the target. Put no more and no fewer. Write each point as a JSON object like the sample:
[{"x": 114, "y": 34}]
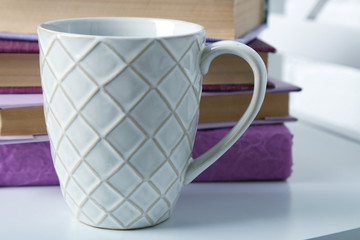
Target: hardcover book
[
  {"x": 221, "y": 18},
  {"x": 22, "y": 69},
  {"x": 230, "y": 106},
  {"x": 22, "y": 121},
  {"x": 20, "y": 117}
]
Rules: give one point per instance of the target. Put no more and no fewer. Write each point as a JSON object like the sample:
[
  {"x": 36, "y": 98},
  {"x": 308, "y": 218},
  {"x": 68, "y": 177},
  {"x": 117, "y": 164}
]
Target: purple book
[
  {"x": 262, "y": 153},
  {"x": 26, "y": 164}
]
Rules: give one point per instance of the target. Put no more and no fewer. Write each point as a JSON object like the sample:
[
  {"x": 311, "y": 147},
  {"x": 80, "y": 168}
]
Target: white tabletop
[{"x": 321, "y": 197}]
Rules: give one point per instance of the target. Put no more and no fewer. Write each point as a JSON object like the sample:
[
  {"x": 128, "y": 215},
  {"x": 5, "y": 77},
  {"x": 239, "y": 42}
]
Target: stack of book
[{"x": 262, "y": 153}]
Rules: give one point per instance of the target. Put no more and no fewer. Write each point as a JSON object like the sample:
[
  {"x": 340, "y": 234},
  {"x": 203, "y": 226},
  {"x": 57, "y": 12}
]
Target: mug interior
[{"x": 123, "y": 27}]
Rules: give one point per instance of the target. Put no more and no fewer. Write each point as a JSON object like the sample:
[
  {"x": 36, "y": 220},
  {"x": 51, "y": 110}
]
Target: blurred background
[{"x": 318, "y": 48}]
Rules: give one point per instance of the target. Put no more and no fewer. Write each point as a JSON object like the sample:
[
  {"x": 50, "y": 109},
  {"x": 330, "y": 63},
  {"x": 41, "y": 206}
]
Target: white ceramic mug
[{"x": 121, "y": 100}]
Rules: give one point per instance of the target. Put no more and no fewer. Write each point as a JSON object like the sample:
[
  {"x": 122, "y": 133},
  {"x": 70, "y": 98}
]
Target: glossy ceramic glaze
[{"x": 121, "y": 100}]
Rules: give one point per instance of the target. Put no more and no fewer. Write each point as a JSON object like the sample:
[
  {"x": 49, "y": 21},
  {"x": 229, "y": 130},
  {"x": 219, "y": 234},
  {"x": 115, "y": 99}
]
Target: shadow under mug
[{"x": 121, "y": 102}]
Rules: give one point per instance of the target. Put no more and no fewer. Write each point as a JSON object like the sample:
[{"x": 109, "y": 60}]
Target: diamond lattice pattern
[{"x": 120, "y": 162}]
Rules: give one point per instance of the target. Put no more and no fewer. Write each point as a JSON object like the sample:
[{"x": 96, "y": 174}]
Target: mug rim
[{"x": 45, "y": 26}]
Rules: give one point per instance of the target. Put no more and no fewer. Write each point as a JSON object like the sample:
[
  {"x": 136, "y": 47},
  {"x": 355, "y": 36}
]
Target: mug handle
[{"x": 211, "y": 51}]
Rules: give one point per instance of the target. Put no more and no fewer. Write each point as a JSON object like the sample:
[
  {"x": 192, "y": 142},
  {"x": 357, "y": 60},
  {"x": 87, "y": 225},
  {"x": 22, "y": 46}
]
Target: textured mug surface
[{"x": 121, "y": 100}]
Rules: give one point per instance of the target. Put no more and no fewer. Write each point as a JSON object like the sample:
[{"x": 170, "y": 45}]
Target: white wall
[{"x": 323, "y": 57}]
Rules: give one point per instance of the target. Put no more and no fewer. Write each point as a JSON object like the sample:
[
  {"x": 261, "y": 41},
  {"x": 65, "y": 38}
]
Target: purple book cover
[
  {"x": 27, "y": 164},
  {"x": 232, "y": 87},
  {"x": 263, "y": 121},
  {"x": 246, "y": 38},
  {"x": 18, "y": 46},
  {"x": 261, "y": 46},
  {"x": 205, "y": 88},
  {"x": 30, "y": 37},
  {"x": 27, "y": 43},
  {"x": 20, "y": 90},
  {"x": 15, "y": 139},
  {"x": 273, "y": 86},
  {"x": 262, "y": 153}
]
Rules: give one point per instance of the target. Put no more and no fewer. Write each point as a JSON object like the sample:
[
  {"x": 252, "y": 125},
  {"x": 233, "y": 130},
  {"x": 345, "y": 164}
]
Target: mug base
[{"x": 115, "y": 225}]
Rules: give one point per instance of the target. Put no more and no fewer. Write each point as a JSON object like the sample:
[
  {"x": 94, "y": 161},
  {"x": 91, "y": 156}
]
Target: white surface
[{"x": 321, "y": 197}]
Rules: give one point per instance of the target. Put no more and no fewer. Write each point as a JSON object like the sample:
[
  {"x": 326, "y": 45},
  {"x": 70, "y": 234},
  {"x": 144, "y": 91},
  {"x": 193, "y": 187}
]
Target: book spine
[
  {"x": 17, "y": 46},
  {"x": 231, "y": 87},
  {"x": 22, "y": 121},
  {"x": 20, "y": 90}
]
